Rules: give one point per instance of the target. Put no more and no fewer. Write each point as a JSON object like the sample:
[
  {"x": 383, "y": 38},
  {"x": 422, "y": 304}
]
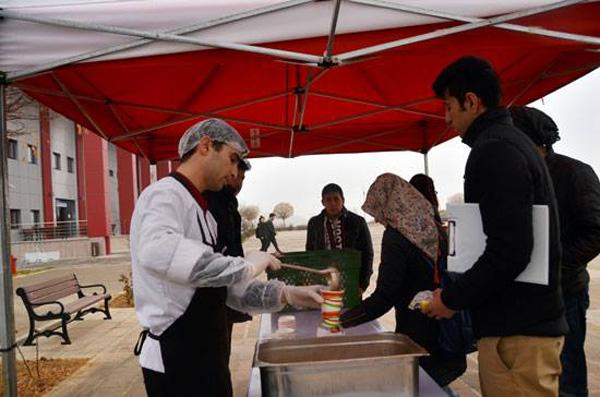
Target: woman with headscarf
[{"x": 409, "y": 254}]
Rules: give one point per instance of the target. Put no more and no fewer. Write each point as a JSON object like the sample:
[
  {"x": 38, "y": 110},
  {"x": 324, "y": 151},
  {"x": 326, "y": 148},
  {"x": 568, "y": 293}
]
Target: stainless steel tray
[{"x": 371, "y": 365}]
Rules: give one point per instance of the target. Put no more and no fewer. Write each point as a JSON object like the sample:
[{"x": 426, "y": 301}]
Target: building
[{"x": 70, "y": 191}]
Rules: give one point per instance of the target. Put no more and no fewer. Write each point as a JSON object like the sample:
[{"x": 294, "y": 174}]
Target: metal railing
[{"x": 48, "y": 230}]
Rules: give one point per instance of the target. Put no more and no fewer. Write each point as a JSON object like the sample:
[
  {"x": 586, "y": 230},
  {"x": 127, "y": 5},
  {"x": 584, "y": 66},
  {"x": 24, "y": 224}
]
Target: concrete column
[
  {"x": 126, "y": 171},
  {"x": 46, "y": 163},
  {"x": 143, "y": 169},
  {"x": 96, "y": 186},
  {"x": 163, "y": 168}
]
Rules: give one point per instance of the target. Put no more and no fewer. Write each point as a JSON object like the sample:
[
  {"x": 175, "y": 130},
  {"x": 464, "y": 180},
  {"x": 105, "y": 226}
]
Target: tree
[
  {"x": 283, "y": 211},
  {"x": 19, "y": 110},
  {"x": 249, "y": 212}
]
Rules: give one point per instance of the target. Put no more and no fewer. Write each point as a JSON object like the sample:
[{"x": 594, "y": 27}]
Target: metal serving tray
[{"x": 383, "y": 364}]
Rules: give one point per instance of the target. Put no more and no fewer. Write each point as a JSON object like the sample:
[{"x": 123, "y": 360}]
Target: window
[
  {"x": 70, "y": 165},
  {"x": 15, "y": 219},
  {"x": 56, "y": 157},
  {"x": 111, "y": 173},
  {"x": 32, "y": 154},
  {"x": 35, "y": 217},
  {"x": 13, "y": 149}
]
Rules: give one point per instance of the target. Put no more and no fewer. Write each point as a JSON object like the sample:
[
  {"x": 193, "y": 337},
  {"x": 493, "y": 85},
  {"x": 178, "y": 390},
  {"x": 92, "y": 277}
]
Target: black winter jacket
[
  {"x": 356, "y": 235},
  {"x": 505, "y": 175},
  {"x": 223, "y": 205},
  {"x": 404, "y": 271},
  {"x": 577, "y": 192}
]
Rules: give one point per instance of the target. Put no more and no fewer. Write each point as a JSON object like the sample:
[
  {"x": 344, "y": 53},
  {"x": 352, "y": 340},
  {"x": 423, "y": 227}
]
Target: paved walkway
[{"x": 113, "y": 370}]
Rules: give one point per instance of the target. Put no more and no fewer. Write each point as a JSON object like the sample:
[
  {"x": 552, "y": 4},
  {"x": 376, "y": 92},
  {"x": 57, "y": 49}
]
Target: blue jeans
[{"x": 573, "y": 380}]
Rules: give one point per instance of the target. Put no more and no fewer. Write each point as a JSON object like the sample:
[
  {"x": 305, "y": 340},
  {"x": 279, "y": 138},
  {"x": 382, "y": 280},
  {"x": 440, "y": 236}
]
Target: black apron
[{"x": 195, "y": 348}]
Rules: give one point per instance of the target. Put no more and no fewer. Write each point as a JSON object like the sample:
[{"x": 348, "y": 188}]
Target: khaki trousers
[{"x": 514, "y": 366}]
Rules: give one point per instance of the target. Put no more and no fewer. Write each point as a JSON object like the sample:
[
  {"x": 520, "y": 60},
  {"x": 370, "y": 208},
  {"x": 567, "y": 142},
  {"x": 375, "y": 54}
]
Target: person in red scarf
[{"x": 337, "y": 228}]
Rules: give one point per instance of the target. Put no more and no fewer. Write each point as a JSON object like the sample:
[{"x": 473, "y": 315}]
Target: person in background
[
  {"x": 577, "y": 192},
  {"x": 337, "y": 228},
  {"x": 519, "y": 327},
  {"x": 224, "y": 207},
  {"x": 410, "y": 249},
  {"x": 267, "y": 233},
  {"x": 181, "y": 285},
  {"x": 424, "y": 184}
]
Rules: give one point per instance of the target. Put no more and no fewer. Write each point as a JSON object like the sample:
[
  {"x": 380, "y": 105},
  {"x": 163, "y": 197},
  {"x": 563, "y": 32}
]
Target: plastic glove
[
  {"x": 303, "y": 297},
  {"x": 353, "y": 317},
  {"x": 260, "y": 260}
]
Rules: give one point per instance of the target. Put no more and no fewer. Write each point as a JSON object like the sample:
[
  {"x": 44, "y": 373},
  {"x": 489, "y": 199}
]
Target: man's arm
[
  {"x": 162, "y": 249},
  {"x": 310, "y": 231},
  {"x": 583, "y": 242},
  {"x": 506, "y": 212}
]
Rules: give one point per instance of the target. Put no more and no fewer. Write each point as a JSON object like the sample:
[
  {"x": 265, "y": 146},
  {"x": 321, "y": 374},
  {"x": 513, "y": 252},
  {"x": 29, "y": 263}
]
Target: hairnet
[{"x": 217, "y": 130}]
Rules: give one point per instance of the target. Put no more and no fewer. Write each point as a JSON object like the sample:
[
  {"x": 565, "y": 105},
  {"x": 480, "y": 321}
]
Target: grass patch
[
  {"x": 24, "y": 272},
  {"x": 121, "y": 301},
  {"x": 36, "y": 380}
]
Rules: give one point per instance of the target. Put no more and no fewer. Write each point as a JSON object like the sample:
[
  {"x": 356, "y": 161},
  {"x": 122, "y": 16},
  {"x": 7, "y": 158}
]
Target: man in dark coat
[
  {"x": 224, "y": 207},
  {"x": 265, "y": 231},
  {"x": 577, "y": 192},
  {"x": 520, "y": 326},
  {"x": 336, "y": 228}
]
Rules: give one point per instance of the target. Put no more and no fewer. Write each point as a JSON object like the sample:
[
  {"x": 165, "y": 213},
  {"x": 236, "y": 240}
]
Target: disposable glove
[
  {"x": 260, "y": 260},
  {"x": 303, "y": 297}
]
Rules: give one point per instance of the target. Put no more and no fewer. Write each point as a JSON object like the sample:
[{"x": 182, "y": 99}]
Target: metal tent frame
[{"x": 178, "y": 35}]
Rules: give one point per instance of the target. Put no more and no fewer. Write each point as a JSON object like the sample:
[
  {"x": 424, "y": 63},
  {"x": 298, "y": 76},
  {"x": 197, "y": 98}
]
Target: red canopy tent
[{"x": 350, "y": 102}]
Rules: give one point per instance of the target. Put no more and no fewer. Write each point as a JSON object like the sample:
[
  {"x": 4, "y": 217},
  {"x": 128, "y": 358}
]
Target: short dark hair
[
  {"x": 216, "y": 144},
  {"x": 469, "y": 74},
  {"x": 272, "y": 214},
  {"x": 332, "y": 188}
]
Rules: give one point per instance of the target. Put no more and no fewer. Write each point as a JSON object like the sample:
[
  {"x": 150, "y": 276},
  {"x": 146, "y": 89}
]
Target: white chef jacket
[{"x": 171, "y": 241}]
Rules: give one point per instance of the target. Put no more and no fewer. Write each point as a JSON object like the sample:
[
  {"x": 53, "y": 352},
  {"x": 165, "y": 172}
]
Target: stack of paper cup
[{"x": 330, "y": 310}]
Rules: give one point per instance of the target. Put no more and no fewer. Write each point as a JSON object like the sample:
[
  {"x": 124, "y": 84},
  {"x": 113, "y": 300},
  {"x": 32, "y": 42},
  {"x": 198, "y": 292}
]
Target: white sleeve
[
  {"x": 255, "y": 296},
  {"x": 163, "y": 249}
]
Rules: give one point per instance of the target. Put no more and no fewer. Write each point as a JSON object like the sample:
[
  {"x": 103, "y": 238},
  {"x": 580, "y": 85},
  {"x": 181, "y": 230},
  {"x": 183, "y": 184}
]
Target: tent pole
[
  {"x": 7, "y": 316},
  {"x": 453, "y": 17},
  {"x": 426, "y": 163},
  {"x": 334, "y": 19},
  {"x": 351, "y": 55}
]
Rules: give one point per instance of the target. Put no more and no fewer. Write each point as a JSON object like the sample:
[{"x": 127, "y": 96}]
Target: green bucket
[{"x": 347, "y": 261}]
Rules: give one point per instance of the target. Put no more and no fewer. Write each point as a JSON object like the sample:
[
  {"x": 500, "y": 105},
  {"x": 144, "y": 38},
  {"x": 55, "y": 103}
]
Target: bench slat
[
  {"x": 66, "y": 288},
  {"x": 56, "y": 295},
  {"x": 82, "y": 303},
  {"x": 50, "y": 283}
]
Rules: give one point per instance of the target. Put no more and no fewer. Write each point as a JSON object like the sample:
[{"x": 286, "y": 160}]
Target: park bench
[{"x": 42, "y": 303}]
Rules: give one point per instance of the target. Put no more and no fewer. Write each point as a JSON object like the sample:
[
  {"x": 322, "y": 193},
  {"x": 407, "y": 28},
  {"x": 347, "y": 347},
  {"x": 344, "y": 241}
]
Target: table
[{"x": 307, "y": 326}]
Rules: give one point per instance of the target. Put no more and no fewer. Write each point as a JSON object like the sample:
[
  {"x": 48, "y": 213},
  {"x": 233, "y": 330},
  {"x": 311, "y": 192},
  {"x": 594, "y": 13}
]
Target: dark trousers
[
  {"x": 265, "y": 242},
  {"x": 573, "y": 380}
]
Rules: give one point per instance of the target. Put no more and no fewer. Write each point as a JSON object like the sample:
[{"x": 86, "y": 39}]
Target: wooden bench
[{"x": 42, "y": 303}]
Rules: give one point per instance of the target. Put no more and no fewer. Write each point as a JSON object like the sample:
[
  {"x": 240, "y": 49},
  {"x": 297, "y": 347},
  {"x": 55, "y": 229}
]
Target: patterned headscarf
[{"x": 396, "y": 203}]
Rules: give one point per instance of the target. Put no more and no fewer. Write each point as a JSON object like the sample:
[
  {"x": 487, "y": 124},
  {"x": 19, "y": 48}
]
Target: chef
[{"x": 181, "y": 286}]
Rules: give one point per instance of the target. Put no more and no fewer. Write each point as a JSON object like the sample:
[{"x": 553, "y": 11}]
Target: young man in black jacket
[
  {"x": 520, "y": 326},
  {"x": 224, "y": 207},
  {"x": 578, "y": 197},
  {"x": 336, "y": 228}
]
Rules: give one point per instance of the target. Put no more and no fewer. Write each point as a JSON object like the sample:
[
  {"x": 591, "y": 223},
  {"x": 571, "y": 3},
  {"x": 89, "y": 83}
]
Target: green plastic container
[{"x": 347, "y": 261}]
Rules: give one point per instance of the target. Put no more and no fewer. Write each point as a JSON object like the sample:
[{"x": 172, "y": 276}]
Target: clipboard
[{"x": 466, "y": 241}]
